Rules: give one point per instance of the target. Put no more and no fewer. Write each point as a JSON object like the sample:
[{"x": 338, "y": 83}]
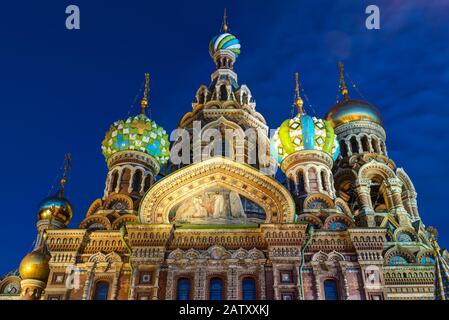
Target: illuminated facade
[{"x": 344, "y": 225}]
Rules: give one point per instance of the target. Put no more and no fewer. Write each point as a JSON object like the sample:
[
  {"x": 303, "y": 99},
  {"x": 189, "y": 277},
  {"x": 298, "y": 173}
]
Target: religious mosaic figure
[{"x": 219, "y": 206}]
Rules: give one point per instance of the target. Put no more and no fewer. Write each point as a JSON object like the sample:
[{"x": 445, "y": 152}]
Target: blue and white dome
[{"x": 224, "y": 41}]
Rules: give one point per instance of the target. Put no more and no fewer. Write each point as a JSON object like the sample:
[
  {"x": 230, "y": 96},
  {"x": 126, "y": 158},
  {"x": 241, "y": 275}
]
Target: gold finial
[
  {"x": 298, "y": 101},
  {"x": 67, "y": 165},
  {"x": 343, "y": 88},
  {"x": 144, "y": 101},
  {"x": 225, "y": 27}
]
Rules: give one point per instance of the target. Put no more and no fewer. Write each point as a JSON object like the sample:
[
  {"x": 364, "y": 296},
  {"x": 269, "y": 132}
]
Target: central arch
[{"x": 265, "y": 191}]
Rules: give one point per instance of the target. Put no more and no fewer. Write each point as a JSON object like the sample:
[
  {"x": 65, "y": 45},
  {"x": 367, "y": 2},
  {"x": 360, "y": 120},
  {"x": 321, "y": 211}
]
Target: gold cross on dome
[{"x": 140, "y": 126}]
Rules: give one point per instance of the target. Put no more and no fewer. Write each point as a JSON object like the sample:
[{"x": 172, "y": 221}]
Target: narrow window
[
  {"x": 101, "y": 290},
  {"x": 183, "y": 289},
  {"x": 330, "y": 290},
  {"x": 216, "y": 289},
  {"x": 248, "y": 289}
]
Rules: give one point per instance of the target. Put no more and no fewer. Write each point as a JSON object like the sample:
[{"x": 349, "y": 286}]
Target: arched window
[
  {"x": 216, "y": 289},
  {"x": 354, "y": 145},
  {"x": 148, "y": 181},
  {"x": 223, "y": 93},
  {"x": 382, "y": 147},
  {"x": 183, "y": 289},
  {"x": 245, "y": 98},
  {"x": 330, "y": 290},
  {"x": 137, "y": 180},
  {"x": 125, "y": 180},
  {"x": 323, "y": 180},
  {"x": 301, "y": 183},
  {"x": 101, "y": 290},
  {"x": 365, "y": 144},
  {"x": 114, "y": 181},
  {"x": 375, "y": 145},
  {"x": 248, "y": 289},
  {"x": 343, "y": 148}
]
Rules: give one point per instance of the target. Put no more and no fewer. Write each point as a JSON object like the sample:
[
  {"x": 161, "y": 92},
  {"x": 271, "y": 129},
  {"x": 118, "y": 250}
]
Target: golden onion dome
[
  {"x": 35, "y": 266},
  {"x": 55, "y": 208},
  {"x": 349, "y": 110}
]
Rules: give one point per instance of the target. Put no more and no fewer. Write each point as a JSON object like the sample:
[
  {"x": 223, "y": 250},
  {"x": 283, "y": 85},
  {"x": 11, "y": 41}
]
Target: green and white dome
[
  {"x": 304, "y": 132},
  {"x": 137, "y": 133}
]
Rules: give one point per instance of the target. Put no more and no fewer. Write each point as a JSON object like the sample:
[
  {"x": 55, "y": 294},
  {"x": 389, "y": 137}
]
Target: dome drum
[
  {"x": 358, "y": 127},
  {"x": 134, "y": 157},
  {"x": 306, "y": 156}
]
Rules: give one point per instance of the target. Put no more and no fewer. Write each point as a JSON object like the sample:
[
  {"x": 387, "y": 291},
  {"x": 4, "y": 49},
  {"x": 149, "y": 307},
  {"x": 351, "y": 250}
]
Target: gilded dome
[
  {"x": 35, "y": 266},
  {"x": 304, "y": 132},
  {"x": 56, "y": 207},
  {"x": 224, "y": 41},
  {"x": 353, "y": 110},
  {"x": 137, "y": 133}
]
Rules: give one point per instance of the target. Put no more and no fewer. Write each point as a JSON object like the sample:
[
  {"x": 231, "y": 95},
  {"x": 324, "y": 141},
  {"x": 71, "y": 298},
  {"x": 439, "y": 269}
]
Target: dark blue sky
[{"x": 60, "y": 90}]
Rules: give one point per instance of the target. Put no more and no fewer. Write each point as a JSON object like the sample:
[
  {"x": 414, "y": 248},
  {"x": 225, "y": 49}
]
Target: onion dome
[
  {"x": 349, "y": 110},
  {"x": 57, "y": 207},
  {"x": 303, "y": 132},
  {"x": 35, "y": 266},
  {"x": 138, "y": 133},
  {"x": 224, "y": 41}
]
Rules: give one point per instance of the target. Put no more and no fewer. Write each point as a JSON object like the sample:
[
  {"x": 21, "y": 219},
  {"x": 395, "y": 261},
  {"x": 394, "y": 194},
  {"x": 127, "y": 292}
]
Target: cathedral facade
[{"x": 205, "y": 216}]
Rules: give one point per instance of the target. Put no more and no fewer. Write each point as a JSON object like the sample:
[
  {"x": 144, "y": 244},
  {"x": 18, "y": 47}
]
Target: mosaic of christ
[{"x": 217, "y": 206}]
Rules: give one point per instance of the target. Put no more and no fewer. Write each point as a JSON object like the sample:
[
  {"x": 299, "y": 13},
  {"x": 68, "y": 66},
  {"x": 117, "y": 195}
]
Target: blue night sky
[{"x": 60, "y": 90}]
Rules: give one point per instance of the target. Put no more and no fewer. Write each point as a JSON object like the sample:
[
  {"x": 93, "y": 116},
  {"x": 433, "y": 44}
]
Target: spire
[
  {"x": 224, "y": 27},
  {"x": 63, "y": 181},
  {"x": 343, "y": 88},
  {"x": 298, "y": 101},
  {"x": 144, "y": 101}
]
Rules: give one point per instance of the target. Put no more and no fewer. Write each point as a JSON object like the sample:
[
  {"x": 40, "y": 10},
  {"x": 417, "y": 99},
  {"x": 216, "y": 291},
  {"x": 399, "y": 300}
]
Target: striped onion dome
[
  {"x": 304, "y": 132},
  {"x": 224, "y": 41}
]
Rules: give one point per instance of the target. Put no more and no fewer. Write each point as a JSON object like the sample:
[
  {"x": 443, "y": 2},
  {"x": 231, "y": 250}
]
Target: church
[{"x": 208, "y": 215}]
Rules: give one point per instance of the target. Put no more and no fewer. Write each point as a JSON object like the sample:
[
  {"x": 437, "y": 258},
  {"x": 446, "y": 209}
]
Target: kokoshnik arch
[{"x": 344, "y": 225}]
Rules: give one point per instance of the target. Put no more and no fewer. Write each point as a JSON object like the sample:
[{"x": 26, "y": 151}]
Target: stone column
[
  {"x": 88, "y": 283},
  {"x": 261, "y": 288},
  {"x": 394, "y": 186},
  {"x": 169, "y": 289},
  {"x": 362, "y": 188},
  {"x": 156, "y": 283},
  {"x": 277, "y": 295},
  {"x": 134, "y": 274},
  {"x": 232, "y": 284},
  {"x": 115, "y": 283},
  {"x": 200, "y": 283},
  {"x": 344, "y": 280}
]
